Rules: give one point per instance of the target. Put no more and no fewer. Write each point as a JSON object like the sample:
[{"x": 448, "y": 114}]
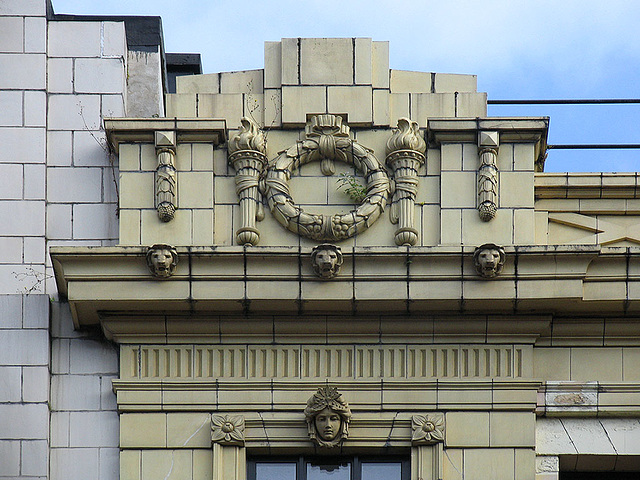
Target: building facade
[{"x": 325, "y": 268}]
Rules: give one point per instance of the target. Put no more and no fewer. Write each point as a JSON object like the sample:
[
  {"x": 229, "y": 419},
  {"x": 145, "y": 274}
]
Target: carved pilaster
[
  {"x": 488, "y": 189},
  {"x": 229, "y": 454},
  {"x": 427, "y": 445},
  {"x": 247, "y": 156},
  {"x": 166, "y": 181},
  {"x": 405, "y": 154}
]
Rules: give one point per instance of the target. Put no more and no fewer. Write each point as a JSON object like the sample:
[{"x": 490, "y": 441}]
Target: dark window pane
[
  {"x": 381, "y": 471},
  {"x": 328, "y": 471},
  {"x": 275, "y": 471}
]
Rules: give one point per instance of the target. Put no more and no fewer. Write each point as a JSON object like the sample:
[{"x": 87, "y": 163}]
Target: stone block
[
  {"x": 35, "y": 105},
  {"x": 59, "y": 221},
  {"x": 476, "y": 232},
  {"x": 452, "y": 464},
  {"x": 59, "y": 149},
  {"x": 202, "y": 157},
  {"x": 195, "y": 190},
  {"x": 24, "y": 421},
  {"x": 35, "y": 35},
  {"x": 272, "y": 64},
  {"x": 588, "y": 436},
  {"x": 182, "y": 105},
  {"x": 467, "y": 429},
  {"x": 452, "y": 82},
  {"x": 228, "y": 106},
  {"x": 24, "y": 7},
  {"x": 109, "y": 463},
  {"x": 427, "y": 105},
  {"x": 398, "y": 107},
  {"x": 34, "y": 182},
  {"x": 10, "y": 107},
  {"x": 74, "y": 39},
  {"x": 523, "y": 156},
  {"x": 524, "y": 463},
  {"x": 93, "y": 429},
  {"x": 10, "y": 384},
  {"x": 87, "y": 184},
  {"x": 380, "y": 64},
  {"x": 113, "y": 106},
  {"x": 471, "y": 105},
  {"x": 24, "y": 347},
  {"x": 458, "y": 189},
  {"x": 326, "y": 61},
  {"x": 512, "y": 429},
  {"x": 138, "y": 190},
  {"x": 23, "y": 71},
  {"x": 363, "y": 61},
  {"x": 203, "y": 227},
  {"x": 403, "y": 81},
  {"x": 89, "y": 149},
  {"x": 60, "y": 75},
  {"x": 69, "y": 463},
  {"x": 129, "y": 227},
  {"x": 13, "y": 248},
  {"x": 176, "y": 232},
  {"x": 10, "y": 455},
  {"x": 74, "y": 112},
  {"x": 143, "y": 430},
  {"x": 36, "y": 311},
  {"x": 130, "y": 463},
  {"x": 498, "y": 461},
  {"x": 35, "y": 458},
  {"x": 129, "y": 158},
  {"x": 22, "y": 145},
  {"x": 356, "y": 102},
  {"x": 11, "y": 189},
  {"x": 272, "y": 108},
  {"x": 600, "y": 364},
  {"x": 93, "y": 357},
  {"x": 12, "y": 34},
  {"x": 381, "y": 107},
  {"x": 92, "y": 221},
  {"x": 551, "y": 363},
  {"x": 206, "y": 83},
  {"x": 450, "y": 226},
  {"x": 60, "y": 356},
  {"x": 298, "y": 101},
  {"x": 168, "y": 464},
  {"x": 290, "y": 61},
  {"x": 75, "y": 392},
  {"x": 114, "y": 39},
  {"x": 524, "y": 226},
  {"x": 59, "y": 432},
  {"x": 516, "y": 189},
  {"x": 248, "y": 81},
  {"x": 188, "y": 430}
]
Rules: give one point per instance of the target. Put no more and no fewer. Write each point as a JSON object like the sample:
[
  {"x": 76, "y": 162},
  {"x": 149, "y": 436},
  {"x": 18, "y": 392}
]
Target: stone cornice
[
  {"x": 568, "y": 279},
  {"x": 130, "y": 130},
  {"x": 511, "y": 130}
]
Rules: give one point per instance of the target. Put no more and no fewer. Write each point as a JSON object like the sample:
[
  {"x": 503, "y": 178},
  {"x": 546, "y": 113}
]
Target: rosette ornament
[
  {"x": 405, "y": 155},
  {"x": 247, "y": 156},
  {"x": 427, "y": 429},
  {"x": 227, "y": 429}
]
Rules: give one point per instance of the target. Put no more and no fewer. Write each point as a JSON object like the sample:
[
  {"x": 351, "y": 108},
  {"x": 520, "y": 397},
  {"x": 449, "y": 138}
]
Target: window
[{"x": 341, "y": 468}]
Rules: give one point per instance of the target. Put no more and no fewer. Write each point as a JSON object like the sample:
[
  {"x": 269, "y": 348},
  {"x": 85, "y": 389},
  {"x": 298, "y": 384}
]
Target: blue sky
[{"x": 520, "y": 49}]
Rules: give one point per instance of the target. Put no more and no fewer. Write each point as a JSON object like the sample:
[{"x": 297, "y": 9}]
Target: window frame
[{"x": 356, "y": 462}]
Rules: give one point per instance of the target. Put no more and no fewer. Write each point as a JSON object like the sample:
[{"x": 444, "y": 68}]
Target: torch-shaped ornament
[
  {"x": 247, "y": 154},
  {"x": 405, "y": 155}
]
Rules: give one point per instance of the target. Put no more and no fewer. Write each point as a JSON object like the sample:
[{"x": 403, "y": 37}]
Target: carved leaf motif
[
  {"x": 427, "y": 429},
  {"x": 227, "y": 429}
]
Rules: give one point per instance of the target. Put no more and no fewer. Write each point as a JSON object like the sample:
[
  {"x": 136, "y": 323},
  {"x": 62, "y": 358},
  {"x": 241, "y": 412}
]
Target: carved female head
[
  {"x": 328, "y": 416},
  {"x": 489, "y": 259},
  {"x": 326, "y": 260},
  {"x": 162, "y": 260}
]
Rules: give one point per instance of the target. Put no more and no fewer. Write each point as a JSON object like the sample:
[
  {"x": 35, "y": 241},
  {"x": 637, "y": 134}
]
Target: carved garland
[
  {"x": 327, "y": 140},
  {"x": 488, "y": 143},
  {"x": 165, "y": 177}
]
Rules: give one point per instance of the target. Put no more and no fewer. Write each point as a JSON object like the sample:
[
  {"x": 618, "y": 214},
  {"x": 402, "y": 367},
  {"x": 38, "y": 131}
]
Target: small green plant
[{"x": 352, "y": 187}]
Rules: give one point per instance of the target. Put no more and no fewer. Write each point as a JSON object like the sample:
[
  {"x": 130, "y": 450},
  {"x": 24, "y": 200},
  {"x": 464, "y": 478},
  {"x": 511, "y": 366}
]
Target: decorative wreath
[{"x": 327, "y": 139}]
